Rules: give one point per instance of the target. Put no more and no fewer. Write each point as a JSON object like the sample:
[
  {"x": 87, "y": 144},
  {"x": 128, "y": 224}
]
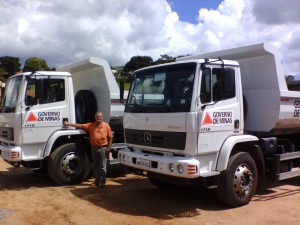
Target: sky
[
  {"x": 62, "y": 32},
  {"x": 187, "y": 10}
]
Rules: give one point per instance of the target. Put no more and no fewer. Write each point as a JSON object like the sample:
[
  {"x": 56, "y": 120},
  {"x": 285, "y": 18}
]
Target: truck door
[
  {"x": 220, "y": 111},
  {"x": 43, "y": 109}
]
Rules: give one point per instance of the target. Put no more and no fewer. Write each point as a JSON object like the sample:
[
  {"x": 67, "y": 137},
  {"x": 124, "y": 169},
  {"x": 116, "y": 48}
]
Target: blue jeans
[{"x": 99, "y": 164}]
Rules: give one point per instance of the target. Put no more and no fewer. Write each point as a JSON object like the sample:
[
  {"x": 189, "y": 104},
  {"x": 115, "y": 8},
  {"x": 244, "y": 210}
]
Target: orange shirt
[{"x": 98, "y": 133}]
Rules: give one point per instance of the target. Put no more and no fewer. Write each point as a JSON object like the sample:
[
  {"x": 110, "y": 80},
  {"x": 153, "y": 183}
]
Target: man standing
[{"x": 100, "y": 141}]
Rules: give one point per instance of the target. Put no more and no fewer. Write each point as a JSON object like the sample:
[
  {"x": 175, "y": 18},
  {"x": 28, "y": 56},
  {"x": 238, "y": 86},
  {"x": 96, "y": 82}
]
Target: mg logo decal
[{"x": 147, "y": 138}]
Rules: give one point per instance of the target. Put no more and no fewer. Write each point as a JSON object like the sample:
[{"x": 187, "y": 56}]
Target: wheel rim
[
  {"x": 243, "y": 181},
  {"x": 71, "y": 164}
]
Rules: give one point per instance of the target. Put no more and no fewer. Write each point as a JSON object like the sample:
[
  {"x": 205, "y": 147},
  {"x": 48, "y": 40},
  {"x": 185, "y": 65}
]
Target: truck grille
[
  {"x": 161, "y": 139},
  {"x": 7, "y": 133}
]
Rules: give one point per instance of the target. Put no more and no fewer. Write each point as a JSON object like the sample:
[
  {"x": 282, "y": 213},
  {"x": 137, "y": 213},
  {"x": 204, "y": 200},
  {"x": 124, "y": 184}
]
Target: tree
[
  {"x": 137, "y": 62},
  {"x": 164, "y": 59},
  {"x": 180, "y": 56},
  {"x": 289, "y": 78},
  {"x": 35, "y": 64},
  {"x": 9, "y": 66}
]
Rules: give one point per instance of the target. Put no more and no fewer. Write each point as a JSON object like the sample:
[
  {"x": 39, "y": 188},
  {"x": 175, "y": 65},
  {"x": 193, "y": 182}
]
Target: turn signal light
[
  {"x": 192, "y": 169},
  {"x": 14, "y": 155}
]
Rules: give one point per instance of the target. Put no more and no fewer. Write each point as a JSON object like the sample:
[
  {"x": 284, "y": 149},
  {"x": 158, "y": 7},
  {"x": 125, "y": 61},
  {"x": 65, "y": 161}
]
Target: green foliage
[
  {"x": 126, "y": 85},
  {"x": 137, "y": 62},
  {"x": 9, "y": 66},
  {"x": 35, "y": 64},
  {"x": 164, "y": 59},
  {"x": 289, "y": 78}
]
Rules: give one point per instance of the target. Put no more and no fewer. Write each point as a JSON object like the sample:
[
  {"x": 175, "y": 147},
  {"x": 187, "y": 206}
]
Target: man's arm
[
  {"x": 76, "y": 125},
  {"x": 109, "y": 141}
]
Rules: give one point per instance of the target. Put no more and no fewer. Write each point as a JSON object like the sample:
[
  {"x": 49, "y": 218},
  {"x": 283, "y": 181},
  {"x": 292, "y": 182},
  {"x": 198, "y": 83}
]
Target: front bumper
[
  {"x": 184, "y": 167},
  {"x": 11, "y": 153}
]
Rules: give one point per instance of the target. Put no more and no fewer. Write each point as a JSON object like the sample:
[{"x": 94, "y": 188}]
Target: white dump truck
[
  {"x": 224, "y": 119},
  {"x": 33, "y": 109}
]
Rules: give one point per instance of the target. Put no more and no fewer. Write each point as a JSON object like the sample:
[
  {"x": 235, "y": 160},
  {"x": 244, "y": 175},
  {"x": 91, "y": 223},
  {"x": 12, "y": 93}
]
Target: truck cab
[
  {"x": 32, "y": 109},
  {"x": 172, "y": 111},
  {"x": 35, "y": 105}
]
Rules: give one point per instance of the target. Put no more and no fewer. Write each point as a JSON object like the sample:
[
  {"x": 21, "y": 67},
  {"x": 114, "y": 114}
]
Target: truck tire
[
  {"x": 85, "y": 106},
  {"x": 69, "y": 164},
  {"x": 238, "y": 183}
]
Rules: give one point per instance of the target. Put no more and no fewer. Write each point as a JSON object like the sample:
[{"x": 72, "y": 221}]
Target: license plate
[{"x": 143, "y": 163}]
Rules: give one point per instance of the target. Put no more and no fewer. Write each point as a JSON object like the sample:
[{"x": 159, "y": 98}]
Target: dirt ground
[{"x": 29, "y": 198}]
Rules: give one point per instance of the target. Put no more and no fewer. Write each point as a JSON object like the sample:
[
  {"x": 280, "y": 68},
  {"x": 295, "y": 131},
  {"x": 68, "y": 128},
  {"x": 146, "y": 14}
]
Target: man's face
[{"x": 98, "y": 117}]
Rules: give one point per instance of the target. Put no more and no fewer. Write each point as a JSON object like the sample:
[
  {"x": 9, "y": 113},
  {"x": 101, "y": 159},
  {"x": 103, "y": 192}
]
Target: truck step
[
  {"x": 113, "y": 161},
  {"x": 283, "y": 165},
  {"x": 287, "y": 175},
  {"x": 118, "y": 146},
  {"x": 287, "y": 156}
]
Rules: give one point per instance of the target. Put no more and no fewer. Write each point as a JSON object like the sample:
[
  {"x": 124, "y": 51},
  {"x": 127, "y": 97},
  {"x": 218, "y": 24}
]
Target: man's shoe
[
  {"x": 95, "y": 184},
  {"x": 102, "y": 185}
]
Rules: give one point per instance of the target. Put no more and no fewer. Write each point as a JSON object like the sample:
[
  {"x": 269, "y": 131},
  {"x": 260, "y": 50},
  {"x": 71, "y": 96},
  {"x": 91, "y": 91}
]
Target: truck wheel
[
  {"x": 160, "y": 184},
  {"x": 69, "y": 164},
  {"x": 85, "y": 106},
  {"x": 238, "y": 183}
]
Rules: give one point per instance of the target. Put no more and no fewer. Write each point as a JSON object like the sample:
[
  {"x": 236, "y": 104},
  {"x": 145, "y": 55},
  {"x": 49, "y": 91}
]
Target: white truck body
[
  {"x": 100, "y": 81},
  {"x": 35, "y": 105},
  {"x": 264, "y": 88},
  {"x": 226, "y": 138}
]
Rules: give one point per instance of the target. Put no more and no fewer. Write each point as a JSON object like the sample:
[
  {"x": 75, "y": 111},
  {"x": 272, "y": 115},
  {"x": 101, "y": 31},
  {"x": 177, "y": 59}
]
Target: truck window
[
  {"x": 53, "y": 90},
  {"x": 11, "y": 94},
  {"x": 217, "y": 84},
  {"x": 162, "y": 89},
  {"x": 30, "y": 97},
  {"x": 206, "y": 86}
]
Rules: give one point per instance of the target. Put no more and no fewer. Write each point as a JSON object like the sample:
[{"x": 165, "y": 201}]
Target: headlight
[
  {"x": 121, "y": 157},
  {"x": 180, "y": 168},
  {"x": 171, "y": 166}
]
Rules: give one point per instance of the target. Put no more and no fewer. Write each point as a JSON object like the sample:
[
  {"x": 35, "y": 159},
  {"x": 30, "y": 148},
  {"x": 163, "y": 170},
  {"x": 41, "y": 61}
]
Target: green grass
[{"x": 126, "y": 85}]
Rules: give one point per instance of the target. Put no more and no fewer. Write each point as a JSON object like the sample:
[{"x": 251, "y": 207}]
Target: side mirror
[
  {"x": 39, "y": 87},
  {"x": 30, "y": 100},
  {"x": 121, "y": 90}
]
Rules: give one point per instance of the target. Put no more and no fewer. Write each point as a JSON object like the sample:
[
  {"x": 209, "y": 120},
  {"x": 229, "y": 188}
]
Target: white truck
[
  {"x": 224, "y": 119},
  {"x": 33, "y": 109}
]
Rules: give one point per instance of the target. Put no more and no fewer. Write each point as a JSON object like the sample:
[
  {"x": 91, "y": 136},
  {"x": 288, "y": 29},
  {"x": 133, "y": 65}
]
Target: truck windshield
[
  {"x": 166, "y": 88},
  {"x": 11, "y": 94}
]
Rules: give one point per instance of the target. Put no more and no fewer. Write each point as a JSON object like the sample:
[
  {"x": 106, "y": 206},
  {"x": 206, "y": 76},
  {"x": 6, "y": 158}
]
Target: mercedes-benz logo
[{"x": 147, "y": 138}]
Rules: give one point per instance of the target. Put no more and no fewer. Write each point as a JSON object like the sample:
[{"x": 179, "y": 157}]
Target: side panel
[
  {"x": 56, "y": 135},
  {"x": 227, "y": 148},
  {"x": 222, "y": 117},
  {"x": 40, "y": 120}
]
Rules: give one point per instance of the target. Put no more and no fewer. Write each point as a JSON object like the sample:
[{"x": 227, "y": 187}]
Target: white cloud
[
  {"x": 280, "y": 12},
  {"x": 64, "y": 31},
  {"x": 236, "y": 23}
]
